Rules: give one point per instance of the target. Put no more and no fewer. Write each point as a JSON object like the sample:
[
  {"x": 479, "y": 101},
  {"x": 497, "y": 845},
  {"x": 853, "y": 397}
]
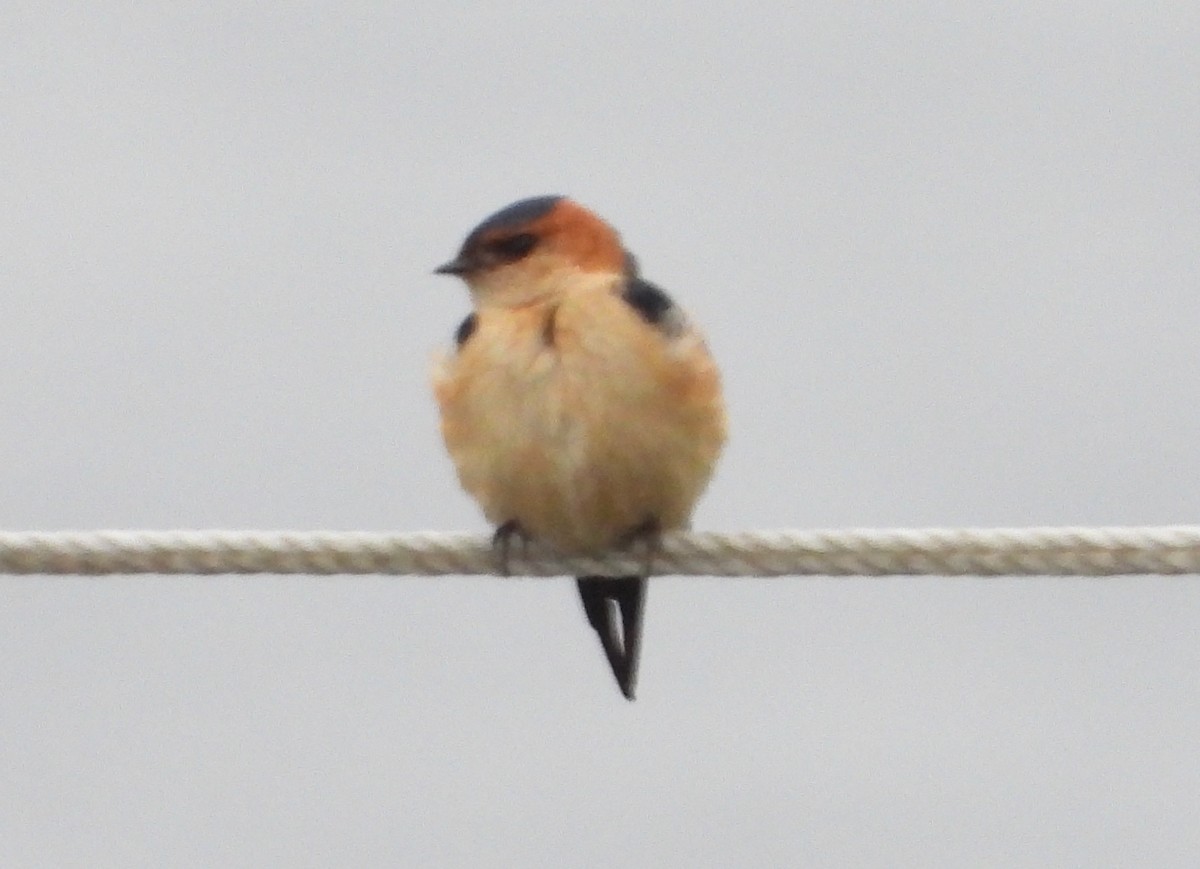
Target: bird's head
[{"x": 537, "y": 248}]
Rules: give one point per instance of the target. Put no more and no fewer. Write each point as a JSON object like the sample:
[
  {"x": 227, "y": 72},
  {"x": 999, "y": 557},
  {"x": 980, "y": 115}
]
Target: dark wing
[
  {"x": 654, "y": 306},
  {"x": 465, "y": 329}
]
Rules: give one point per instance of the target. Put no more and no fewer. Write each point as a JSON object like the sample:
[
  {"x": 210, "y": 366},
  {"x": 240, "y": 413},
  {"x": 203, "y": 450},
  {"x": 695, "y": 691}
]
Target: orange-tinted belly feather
[{"x": 582, "y": 430}]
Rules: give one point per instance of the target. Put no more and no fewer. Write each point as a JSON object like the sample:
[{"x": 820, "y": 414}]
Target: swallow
[{"x": 579, "y": 404}]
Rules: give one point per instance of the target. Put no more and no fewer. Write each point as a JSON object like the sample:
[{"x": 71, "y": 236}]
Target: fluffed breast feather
[{"x": 584, "y": 430}]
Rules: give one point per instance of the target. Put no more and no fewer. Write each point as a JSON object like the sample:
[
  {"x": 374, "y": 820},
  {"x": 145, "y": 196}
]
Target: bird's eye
[{"x": 513, "y": 247}]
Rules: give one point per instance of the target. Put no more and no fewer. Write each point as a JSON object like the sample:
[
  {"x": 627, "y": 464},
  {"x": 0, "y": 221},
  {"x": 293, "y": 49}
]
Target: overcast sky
[{"x": 948, "y": 258}]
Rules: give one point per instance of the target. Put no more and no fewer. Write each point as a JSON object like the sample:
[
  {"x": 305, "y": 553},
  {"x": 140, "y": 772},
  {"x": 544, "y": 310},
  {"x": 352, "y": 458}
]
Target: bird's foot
[
  {"x": 502, "y": 542},
  {"x": 647, "y": 536}
]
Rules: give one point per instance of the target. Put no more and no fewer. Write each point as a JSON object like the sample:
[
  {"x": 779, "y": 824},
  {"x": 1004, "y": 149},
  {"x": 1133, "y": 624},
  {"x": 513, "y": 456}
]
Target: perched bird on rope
[{"x": 580, "y": 406}]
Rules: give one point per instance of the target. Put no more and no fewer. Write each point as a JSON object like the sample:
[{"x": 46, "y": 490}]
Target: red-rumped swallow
[{"x": 580, "y": 406}]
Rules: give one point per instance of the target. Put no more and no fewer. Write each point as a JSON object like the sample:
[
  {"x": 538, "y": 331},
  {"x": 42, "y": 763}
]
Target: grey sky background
[{"x": 947, "y": 256}]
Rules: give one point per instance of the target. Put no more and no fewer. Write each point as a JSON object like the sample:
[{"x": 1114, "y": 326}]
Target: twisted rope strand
[{"x": 1167, "y": 550}]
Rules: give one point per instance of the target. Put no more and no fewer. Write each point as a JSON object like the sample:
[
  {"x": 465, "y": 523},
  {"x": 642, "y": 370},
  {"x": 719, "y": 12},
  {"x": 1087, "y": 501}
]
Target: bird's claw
[
  {"x": 502, "y": 544},
  {"x": 647, "y": 535}
]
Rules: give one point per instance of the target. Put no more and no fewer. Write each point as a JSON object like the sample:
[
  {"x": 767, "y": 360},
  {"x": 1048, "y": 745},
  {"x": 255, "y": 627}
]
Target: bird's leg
[
  {"x": 647, "y": 534},
  {"x": 502, "y": 543}
]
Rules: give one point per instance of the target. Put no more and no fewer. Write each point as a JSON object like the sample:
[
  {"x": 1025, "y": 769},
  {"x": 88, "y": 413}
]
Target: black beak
[{"x": 457, "y": 266}]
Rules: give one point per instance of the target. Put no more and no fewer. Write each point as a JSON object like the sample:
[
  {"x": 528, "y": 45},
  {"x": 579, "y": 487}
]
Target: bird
[{"x": 579, "y": 404}]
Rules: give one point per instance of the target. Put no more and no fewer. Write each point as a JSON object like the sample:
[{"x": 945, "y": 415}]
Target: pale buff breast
[{"x": 580, "y": 420}]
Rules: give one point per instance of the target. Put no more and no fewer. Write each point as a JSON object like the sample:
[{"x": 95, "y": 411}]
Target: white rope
[{"x": 932, "y": 551}]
